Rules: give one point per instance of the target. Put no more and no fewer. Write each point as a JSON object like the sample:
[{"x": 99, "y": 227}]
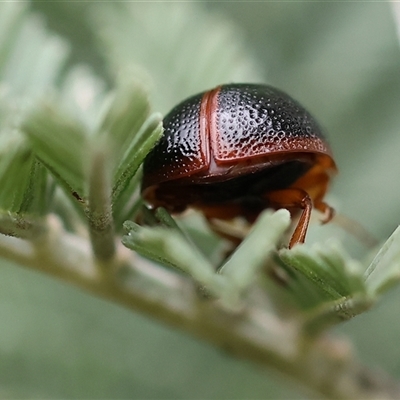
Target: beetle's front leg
[{"x": 293, "y": 198}]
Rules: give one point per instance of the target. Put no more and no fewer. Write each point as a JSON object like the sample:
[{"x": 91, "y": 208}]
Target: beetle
[{"x": 236, "y": 150}]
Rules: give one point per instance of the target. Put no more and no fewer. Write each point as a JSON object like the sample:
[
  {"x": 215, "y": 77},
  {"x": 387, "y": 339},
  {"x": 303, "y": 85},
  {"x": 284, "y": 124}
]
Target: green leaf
[
  {"x": 335, "y": 312},
  {"x": 325, "y": 283},
  {"x": 252, "y": 254},
  {"x": 26, "y": 192},
  {"x": 39, "y": 191},
  {"x": 171, "y": 248},
  {"x": 30, "y": 62},
  {"x": 16, "y": 163},
  {"x": 60, "y": 144},
  {"x": 129, "y": 202},
  {"x": 141, "y": 143},
  {"x": 384, "y": 270},
  {"x": 165, "y": 218},
  {"x": 127, "y": 112},
  {"x": 331, "y": 272},
  {"x": 126, "y": 128}
]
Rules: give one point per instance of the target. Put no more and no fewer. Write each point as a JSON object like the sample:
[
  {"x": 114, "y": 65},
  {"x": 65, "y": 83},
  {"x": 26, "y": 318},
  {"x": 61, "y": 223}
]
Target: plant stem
[
  {"x": 99, "y": 211},
  {"x": 324, "y": 365}
]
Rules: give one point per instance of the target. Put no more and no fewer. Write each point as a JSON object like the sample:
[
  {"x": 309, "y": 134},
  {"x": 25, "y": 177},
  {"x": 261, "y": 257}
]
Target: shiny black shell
[
  {"x": 227, "y": 133},
  {"x": 252, "y": 120}
]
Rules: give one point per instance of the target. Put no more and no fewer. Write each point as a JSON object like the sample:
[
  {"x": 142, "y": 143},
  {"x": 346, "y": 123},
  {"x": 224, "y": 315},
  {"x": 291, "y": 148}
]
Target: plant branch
[
  {"x": 324, "y": 364},
  {"x": 99, "y": 211},
  {"x": 24, "y": 227}
]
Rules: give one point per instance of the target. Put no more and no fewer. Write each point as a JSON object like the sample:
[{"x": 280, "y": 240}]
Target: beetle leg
[
  {"x": 327, "y": 210},
  {"x": 293, "y": 198},
  {"x": 315, "y": 183},
  {"x": 319, "y": 204}
]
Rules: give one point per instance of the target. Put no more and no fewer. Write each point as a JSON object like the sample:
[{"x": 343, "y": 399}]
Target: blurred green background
[{"x": 340, "y": 60}]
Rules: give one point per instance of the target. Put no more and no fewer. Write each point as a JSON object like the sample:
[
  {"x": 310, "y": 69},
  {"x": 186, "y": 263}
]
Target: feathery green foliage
[{"x": 71, "y": 148}]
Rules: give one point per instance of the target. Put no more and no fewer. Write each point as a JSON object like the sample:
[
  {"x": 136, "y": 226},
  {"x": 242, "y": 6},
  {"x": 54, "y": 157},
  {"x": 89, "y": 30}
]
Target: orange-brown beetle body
[{"x": 237, "y": 150}]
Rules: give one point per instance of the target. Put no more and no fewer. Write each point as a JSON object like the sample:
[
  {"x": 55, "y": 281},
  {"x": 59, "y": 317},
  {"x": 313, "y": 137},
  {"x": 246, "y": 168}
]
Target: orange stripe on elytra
[{"x": 208, "y": 121}]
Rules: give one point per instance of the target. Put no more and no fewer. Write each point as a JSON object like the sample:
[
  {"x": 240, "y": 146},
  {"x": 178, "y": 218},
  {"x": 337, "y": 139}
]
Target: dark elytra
[{"x": 236, "y": 150}]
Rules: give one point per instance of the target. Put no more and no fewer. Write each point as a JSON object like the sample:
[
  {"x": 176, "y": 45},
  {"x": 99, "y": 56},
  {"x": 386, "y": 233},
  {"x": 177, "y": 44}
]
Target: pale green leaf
[
  {"x": 327, "y": 267},
  {"x": 16, "y": 163},
  {"x": 60, "y": 144},
  {"x": 171, "y": 248},
  {"x": 242, "y": 268},
  {"x": 384, "y": 270}
]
